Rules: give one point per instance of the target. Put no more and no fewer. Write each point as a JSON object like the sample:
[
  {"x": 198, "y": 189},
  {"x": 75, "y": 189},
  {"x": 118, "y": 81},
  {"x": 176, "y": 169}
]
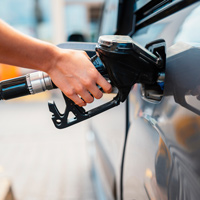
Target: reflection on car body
[{"x": 182, "y": 75}]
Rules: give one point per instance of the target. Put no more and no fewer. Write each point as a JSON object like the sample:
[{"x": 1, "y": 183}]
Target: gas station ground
[{"x": 42, "y": 162}]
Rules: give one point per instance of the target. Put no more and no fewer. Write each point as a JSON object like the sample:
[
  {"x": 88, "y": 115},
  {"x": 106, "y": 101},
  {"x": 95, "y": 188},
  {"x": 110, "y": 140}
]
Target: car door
[
  {"x": 162, "y": 152},
  {"x": 147, "y": 148}
]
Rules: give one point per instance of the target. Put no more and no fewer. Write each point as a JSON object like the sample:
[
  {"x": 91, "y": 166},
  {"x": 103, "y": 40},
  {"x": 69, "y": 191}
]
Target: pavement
[{"x": 42, "y": 162}]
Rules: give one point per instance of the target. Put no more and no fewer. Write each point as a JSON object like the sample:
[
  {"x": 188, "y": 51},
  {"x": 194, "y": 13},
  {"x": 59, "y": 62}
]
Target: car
[{"x": 148, "y": 148}]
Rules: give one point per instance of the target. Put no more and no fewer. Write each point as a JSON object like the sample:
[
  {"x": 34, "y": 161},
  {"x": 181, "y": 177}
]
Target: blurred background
[
  {"x": 38, "y": 161},
  {"x": 46, "y": 19}
]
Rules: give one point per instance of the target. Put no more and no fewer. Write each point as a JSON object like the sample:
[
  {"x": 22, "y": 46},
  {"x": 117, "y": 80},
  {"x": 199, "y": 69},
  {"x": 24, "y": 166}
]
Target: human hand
[{"x": 77, "y": 77}]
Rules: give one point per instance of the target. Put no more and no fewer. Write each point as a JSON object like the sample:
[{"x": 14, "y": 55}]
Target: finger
[
  {"x": 77, "y": 100},
  {"x": 104, "y": 84},
  {"x": 94, "y": 90},
  {"x": 86, "y": 96}
]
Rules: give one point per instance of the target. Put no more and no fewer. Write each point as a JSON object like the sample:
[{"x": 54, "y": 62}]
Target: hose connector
[
  {"x": 38, "y": 82},
  {"x": 25, "y": 85}
]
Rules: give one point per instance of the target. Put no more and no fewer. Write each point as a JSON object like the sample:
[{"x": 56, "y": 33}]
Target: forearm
[{"x": 20, "y": 50}]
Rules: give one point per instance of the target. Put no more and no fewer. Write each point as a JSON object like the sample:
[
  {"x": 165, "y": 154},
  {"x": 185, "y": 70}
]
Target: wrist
[{"x": 52, "y": 57}]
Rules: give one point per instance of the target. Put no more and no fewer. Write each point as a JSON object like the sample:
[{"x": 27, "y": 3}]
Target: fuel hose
[{"x": 25, "y": 85}]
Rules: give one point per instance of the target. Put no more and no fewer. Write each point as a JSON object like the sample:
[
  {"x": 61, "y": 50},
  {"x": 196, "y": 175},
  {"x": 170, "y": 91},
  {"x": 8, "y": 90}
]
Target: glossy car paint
[{"x": 162, "y": 158}]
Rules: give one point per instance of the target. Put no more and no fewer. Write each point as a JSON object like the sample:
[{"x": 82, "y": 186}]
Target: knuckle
[
  {"x": 84, "y": 53},
  {"x": 87, "y": 82},
  {"x": 69, "y": 92},
  {"x": 79, "y": 88},
  {"x": 95, "y": 74}
]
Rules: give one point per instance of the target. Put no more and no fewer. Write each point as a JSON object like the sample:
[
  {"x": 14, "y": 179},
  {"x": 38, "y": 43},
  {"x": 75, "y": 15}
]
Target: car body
[{"x": 148, "y": 149}]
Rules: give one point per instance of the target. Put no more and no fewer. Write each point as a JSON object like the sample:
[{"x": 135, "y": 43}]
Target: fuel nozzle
[{"x": 128, "y": 63}]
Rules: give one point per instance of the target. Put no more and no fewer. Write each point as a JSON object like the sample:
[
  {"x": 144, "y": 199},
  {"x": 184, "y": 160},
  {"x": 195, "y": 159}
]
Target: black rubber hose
[
  {"x": 14, "y": 88},
  {"x": 124, "y": 149}
]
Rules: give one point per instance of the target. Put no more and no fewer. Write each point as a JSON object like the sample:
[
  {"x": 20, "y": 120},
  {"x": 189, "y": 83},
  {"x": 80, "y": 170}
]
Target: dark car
[{"x": 149, "y": 147}]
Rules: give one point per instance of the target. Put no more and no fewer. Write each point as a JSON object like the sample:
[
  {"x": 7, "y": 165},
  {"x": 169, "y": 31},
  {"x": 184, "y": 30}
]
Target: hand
[{"x": 77, "y": 77}]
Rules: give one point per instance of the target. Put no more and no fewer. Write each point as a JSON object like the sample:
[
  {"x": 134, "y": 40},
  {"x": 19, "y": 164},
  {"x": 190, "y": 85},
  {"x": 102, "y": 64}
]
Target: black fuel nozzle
[{"x": 128, "y": 63}]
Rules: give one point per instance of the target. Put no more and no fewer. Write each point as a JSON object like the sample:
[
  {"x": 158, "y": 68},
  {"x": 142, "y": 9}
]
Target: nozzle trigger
[{"x": 80, "y": 114}]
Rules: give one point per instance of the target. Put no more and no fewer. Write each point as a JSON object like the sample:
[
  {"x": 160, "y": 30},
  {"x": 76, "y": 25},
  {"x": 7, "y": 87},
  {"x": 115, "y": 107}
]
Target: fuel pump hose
[{"x": 25, "y": 85}]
